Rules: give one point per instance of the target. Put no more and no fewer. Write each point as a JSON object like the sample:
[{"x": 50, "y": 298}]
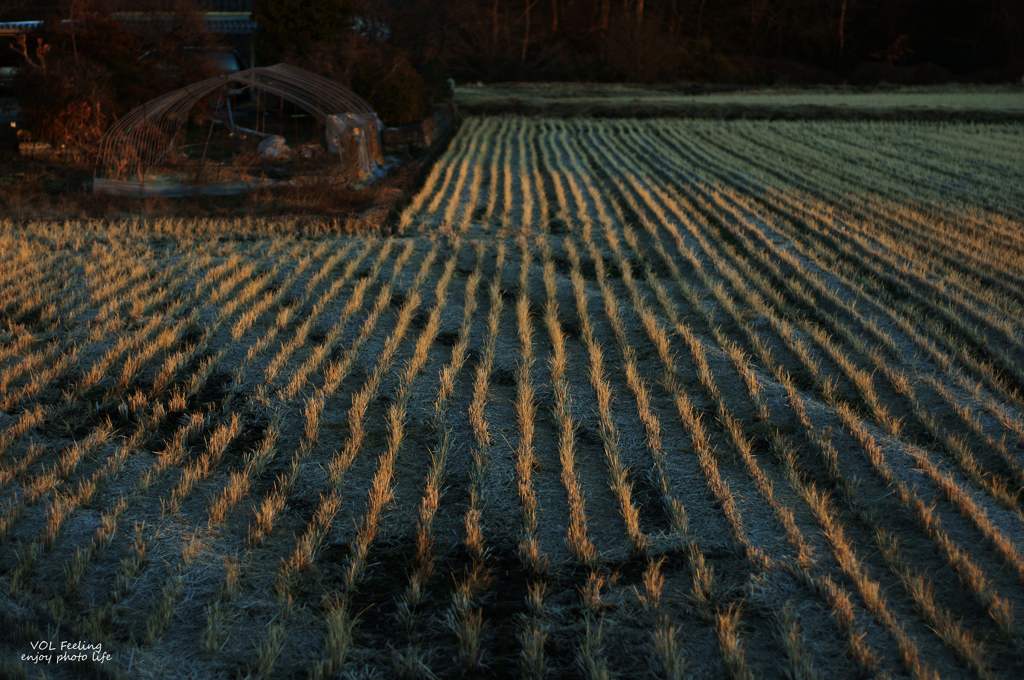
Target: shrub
[
  {"x": 176, "y": 38},
  {"x": 394, "y": 89},
  {"x": 377, "y": 71},
  {"x": 67, "y": 103},
  {"x": 81, "y": 75},
  {"x": 649, "y": 53},
  {"x": 67, "y": 83},
  {"x": 295, "y": 26}
]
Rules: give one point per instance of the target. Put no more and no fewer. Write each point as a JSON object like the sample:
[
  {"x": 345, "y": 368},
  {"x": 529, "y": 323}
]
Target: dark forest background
[
  {"x": 637, "y": 40},
  {"x": 858, "y": 41},
  {"x": 84, "y": 68}
]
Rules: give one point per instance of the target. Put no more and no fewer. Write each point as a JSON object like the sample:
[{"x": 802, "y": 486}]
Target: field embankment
[
  {"x": 977, "y": 104},
  {"x": 624, "y": 398}
]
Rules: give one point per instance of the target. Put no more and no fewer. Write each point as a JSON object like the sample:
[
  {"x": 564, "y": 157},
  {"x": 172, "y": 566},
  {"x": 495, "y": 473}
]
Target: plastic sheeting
[
  {"x": 356, "y": 138},
  {"x": 145, "y": 142}
]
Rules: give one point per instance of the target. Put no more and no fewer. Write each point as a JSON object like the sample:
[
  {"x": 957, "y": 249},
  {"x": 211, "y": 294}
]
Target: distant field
[
  {"x": 994, "y": 103},
  {"x": 625, "y": 398}
]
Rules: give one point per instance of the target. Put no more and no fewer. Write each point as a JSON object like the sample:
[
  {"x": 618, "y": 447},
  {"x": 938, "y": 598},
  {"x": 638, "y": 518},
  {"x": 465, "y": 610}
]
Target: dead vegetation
[
  {"x": 61, "y": 188},
  {"x": 625, "y": 399}
]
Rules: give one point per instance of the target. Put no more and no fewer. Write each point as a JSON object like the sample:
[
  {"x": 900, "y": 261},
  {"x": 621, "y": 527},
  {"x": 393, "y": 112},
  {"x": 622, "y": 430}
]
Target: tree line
[
  {"x": 672, "y": 40},
  {"x": 84, "y": 65}
]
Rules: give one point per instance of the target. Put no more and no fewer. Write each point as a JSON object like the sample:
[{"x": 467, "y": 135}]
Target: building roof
[
  {"x": 222, "y": 24},
  {"x": 230, "y": 6}
]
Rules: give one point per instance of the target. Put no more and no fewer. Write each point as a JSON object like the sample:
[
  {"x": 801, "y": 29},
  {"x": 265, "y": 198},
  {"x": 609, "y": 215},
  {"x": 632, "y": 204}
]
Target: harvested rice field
[
  {"x": 971, "y": 103},
  {"x": 619, "y": 399}
]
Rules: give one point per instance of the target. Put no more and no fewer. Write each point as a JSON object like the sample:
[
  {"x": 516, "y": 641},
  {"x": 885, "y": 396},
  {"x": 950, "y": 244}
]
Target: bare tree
[
  {"x": 495, "y": 18},
  {"x": 8, "y": 7},
  {"x": 842, "y": 29},
  {"x": 526, "y": 33},
  {"x": 37, "y": 64}
]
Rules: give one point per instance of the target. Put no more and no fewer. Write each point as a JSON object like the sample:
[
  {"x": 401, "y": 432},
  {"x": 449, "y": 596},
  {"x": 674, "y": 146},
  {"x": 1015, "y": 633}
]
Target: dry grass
[
  {"x": 59, "y": 189},
  {"x": 680, "y": 398}
]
